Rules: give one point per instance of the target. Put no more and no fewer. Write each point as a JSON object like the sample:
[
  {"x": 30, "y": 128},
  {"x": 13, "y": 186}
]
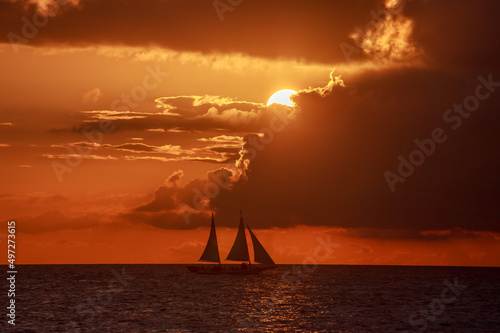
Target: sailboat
[{"x": 239, "y": 252}]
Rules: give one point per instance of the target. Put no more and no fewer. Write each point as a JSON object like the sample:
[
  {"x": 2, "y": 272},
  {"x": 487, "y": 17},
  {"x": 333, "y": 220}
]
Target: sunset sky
[{"x": 124, "y": 124}]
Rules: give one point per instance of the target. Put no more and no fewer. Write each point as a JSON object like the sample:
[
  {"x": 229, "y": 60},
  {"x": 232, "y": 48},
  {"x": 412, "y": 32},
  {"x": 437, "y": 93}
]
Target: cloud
[
  {"x": 175, "y": 177},
  {"x": 388, "y": 37},
  {"x": 335, "y": 80},
  {"x": 160, "y": 130},
  {"x": 194, "y": 106},
  {"x": 214, "y": 153},
  {"x": 224, "y": 139},
  {"x": 55, "y": 220},
  {"x": 177, "y": 159},
  {"x": 298, "y": 38},
  {"x": 92, "y": 96},
  {"x": 47, "y": 7},
  {"x": 115, "y": 115},
  {"x": 327, "y": 166},
  {"x": 131, "y": 147},
  {"x": 164, "y": 199},
  {"x": 216, "y": 62},
  {"x": 307, "y": 32},
  {"x": 470, "y": 45},
  {"x": 180, "y": 114},
  {"x": 175, "y": 207},
  {"x": 141, "y": 147},
  {"x": 79, "y": 156}
]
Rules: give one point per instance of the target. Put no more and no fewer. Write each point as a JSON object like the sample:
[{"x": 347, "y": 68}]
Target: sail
[
  {"x": 239, "y": 251},
  {"x": 261, "y": 255},
  {"x": 211, "y": 252}
]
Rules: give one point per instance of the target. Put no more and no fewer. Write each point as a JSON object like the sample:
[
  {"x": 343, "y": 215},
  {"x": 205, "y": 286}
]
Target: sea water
[{"x": 168, "y": 298}]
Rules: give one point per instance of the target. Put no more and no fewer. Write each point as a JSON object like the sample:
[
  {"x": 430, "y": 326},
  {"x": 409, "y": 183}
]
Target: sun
[{"x": 282, "y": 97}]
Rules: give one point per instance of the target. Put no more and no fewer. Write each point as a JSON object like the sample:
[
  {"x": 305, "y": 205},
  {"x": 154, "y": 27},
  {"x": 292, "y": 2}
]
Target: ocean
[{"x": 291, "y": 298}]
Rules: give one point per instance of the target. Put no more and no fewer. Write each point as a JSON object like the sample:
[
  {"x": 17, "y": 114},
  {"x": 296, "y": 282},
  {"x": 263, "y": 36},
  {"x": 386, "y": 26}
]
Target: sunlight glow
[{"x": 282, "y": 97}]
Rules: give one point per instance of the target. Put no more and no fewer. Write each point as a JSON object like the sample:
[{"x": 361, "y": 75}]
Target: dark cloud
[
  {"x": 287, "y": 29},
  {"x": 471, "y": 43},
  {"x": 174, "y": 207},
  {"x": 164, "y": 199},
  {"x": 327, "y": 167}
]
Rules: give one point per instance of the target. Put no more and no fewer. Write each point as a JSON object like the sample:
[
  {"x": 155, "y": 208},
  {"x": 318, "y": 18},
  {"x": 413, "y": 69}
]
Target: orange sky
[
  {"x": 296, "y": 245},
  {"x": 118, "y": 140}
]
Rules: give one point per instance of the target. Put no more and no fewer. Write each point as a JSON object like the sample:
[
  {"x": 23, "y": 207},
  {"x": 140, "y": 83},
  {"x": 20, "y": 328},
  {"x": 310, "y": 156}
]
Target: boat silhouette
[{"x": 239, "y": 252}]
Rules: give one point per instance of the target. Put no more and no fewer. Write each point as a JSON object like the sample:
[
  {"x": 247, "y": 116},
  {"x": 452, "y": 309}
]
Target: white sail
[
  {"x": 211, "y": 252},
  {"x": 260, "y": 254},
  {"x": 239, "y": 251}
]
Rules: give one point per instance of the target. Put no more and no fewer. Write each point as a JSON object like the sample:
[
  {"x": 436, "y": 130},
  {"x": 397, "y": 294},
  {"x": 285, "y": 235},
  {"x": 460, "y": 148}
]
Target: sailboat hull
[{"x": 229, "y": 270}]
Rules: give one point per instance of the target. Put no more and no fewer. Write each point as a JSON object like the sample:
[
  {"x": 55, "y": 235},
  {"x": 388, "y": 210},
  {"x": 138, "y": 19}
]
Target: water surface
[{"x": 168, "y": 298}]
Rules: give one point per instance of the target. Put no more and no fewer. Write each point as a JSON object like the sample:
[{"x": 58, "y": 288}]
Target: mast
[
  {"x": 239, "y": 251},
  {"x": 211, "y": 253}
]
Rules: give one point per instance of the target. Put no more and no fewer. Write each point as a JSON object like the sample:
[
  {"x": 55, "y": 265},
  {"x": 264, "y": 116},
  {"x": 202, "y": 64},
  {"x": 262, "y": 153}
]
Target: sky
[{"x": 124, "y": 124}]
